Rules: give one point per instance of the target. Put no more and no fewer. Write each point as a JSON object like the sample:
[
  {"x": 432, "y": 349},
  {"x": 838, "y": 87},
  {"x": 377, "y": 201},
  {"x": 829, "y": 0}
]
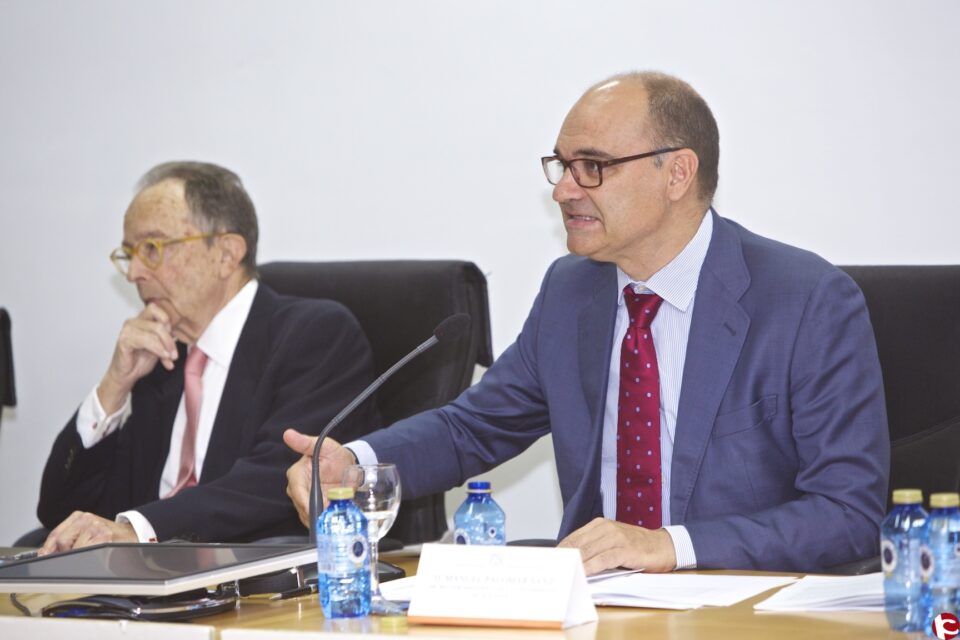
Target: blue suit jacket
[{"x": 781, "y": 453}]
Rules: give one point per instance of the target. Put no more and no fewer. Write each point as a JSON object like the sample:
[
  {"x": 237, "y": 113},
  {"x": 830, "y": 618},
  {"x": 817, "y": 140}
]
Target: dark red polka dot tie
[{"x": 638, "y": 416}]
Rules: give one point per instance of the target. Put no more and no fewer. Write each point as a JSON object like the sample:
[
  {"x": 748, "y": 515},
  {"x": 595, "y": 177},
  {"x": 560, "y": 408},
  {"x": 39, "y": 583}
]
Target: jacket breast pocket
[{"x": 731, "y": 422}]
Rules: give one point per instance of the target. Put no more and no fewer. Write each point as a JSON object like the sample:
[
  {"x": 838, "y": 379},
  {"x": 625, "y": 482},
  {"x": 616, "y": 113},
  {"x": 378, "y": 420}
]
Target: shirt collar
[
  {"x": 219, "y": 340},
  {"x": 676, "y": 282}
]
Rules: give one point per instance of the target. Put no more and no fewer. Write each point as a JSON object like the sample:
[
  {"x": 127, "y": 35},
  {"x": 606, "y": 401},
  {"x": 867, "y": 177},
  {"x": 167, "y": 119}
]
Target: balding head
[
  {"x": 630, "y": 189},
  {"x": 671, "y": 112}
]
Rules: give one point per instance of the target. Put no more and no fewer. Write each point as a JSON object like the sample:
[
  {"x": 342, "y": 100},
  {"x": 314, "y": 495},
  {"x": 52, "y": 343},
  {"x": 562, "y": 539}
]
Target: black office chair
[
  {"x": 399, "y": 303},
  {"x": 915, "y": 312},
  {"x": 8, "y": 392}
]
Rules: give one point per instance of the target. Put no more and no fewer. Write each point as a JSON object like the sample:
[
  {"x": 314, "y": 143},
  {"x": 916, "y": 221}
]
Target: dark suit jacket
[
  {"x": 781, "y": 453},
  {"x": 297, "y": 363}
]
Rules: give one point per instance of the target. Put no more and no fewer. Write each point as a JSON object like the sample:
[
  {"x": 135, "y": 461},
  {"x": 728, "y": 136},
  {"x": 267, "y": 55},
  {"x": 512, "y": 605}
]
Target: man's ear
[
  {"x": 233, "y": 249},
  {"x": 682, "y": 165}
]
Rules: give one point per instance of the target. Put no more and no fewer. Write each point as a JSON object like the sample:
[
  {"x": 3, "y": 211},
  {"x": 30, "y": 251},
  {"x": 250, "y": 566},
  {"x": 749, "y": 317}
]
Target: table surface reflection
[{"x": 739, "y": 621}]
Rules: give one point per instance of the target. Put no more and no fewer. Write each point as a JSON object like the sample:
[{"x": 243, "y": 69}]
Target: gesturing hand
[{"x": 334, "y": 459}]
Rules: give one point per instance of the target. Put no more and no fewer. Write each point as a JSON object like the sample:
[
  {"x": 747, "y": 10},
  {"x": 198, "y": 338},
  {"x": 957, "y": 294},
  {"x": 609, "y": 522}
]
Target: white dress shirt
[
  {"x": 218, "y": 341},
  {"x": 676, "y": 283}
]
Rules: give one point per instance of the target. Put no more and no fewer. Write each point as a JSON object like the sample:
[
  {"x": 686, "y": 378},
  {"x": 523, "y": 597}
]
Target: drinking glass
[{"x": 377, "y": 493}]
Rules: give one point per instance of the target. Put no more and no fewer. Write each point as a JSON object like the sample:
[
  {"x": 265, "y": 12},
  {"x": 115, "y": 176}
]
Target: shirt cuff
[
  {"x": 682, "y": 546},
  {"x": 363, "y": 452},
  {"x": 141, "y": 525},
  {"x": 93, "y": 423}
]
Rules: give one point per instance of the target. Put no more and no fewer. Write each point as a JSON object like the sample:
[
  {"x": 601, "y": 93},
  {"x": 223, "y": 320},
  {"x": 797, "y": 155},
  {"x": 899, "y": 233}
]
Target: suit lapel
[
  {"x": 246, "y": 369},
  {"x": 153, "y": 442},
  {"x": 717, "y": 334},
  {"x": 594, "y": 335},
  {"x": 595, "y": 325}
]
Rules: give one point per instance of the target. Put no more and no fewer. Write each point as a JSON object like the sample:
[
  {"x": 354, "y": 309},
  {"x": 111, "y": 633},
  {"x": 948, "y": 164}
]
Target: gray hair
[{"x": 217, "y": 200}]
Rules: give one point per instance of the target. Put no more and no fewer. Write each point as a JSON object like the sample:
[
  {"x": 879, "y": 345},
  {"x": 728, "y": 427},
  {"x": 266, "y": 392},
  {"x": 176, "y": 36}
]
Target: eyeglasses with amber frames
[
  {"x": 588, "y": 173},
  {"x": 150, "y": 251}
]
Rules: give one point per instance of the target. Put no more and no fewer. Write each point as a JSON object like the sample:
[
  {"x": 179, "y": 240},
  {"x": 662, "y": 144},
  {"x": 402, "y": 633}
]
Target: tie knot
[
  {"x": 196, "y": 362},
  {"x": 641, "y": 307}
]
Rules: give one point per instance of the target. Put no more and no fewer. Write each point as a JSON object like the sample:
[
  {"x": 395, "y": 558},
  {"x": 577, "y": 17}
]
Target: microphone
[{"x": 450, "y": 329}]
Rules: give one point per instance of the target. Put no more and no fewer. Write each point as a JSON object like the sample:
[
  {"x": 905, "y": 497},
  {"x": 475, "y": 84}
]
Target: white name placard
[{"x": 497, "y": 586}]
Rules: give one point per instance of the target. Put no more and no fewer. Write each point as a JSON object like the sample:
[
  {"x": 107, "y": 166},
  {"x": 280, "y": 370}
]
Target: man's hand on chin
[
  {"x": 83, "y": 529},
  {"x": 606, "y": 544}
]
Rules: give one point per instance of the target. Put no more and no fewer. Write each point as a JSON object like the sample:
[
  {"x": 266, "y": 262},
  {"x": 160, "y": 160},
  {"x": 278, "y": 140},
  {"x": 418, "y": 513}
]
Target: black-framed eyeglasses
[{"x": 587, "y": 172}]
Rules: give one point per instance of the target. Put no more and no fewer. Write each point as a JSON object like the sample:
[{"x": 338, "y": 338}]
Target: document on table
[
  {"x": 654, "y": 591},
  {"x": 681, "y": 590},
  {"x": 400, "y": 590},
  {"x": 829, "y": 593}
]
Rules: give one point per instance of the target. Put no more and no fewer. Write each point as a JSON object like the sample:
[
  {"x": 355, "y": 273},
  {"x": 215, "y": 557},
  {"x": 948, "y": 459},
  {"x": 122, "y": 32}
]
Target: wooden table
[{"x": 739, "y": 621}]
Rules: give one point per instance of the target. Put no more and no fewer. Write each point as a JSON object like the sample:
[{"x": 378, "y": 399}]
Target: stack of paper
[
  {"x": 400, "y": 590},
  {"x": 680, "y": 590},
  {"x": 829, "y": 593}
]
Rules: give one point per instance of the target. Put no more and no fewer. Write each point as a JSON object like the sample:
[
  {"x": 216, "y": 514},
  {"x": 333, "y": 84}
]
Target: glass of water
[{"x": 377, "y": 493}]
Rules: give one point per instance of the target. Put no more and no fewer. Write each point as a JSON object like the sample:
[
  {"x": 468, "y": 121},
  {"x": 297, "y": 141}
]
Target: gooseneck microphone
[{"x": 450, "y": 329}]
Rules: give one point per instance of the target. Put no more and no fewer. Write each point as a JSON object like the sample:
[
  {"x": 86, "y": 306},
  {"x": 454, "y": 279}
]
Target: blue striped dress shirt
[{"x": 676, "y": 283}]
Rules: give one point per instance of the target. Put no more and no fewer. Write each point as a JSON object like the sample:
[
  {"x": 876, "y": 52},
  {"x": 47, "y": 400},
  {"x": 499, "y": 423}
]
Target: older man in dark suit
[{"x": 182, "y": 436}]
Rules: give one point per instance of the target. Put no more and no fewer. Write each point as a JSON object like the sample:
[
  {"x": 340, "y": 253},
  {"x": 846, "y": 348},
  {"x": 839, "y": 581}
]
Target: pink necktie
[
  {"x": 192, "y": 394},
  {"x": 638, "y": 417}
]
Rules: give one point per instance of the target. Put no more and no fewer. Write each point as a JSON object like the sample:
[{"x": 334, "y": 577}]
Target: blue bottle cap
[{"x": 478, "y": 486}]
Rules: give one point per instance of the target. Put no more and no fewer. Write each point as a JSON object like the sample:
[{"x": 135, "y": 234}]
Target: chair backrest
[
  {"x": 915, "y": 312},
  {"x": 398, "y": 304},
  {"x": 8, "y": 393}
]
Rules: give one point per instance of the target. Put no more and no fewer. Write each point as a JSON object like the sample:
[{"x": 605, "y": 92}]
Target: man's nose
[
  {"x": 135, "y": 270},
  {"x": 567, "y": 188}
]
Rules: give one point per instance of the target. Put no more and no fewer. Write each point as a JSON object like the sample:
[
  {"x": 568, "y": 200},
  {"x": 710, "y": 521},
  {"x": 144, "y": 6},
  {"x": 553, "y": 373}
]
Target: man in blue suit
[{"x": 754, "y": 432}]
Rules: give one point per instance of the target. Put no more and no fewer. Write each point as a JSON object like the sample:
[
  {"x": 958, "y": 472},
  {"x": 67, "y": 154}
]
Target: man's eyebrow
[
  {"x": 151, "y": 234},
  {"x": 585, "y": 152}
]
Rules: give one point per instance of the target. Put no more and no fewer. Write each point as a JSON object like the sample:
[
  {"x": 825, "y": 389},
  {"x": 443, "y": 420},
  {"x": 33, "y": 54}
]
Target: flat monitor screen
[{"x": 149, "y": 569}]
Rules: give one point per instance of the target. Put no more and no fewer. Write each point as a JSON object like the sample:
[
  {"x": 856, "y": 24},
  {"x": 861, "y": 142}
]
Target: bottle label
[
  {"x": 888, "y": 556},
  {"x": 359, "y": 547},
  {"x": 927, "y": 563},
  {"x": 949, "y": 569},
  {"x": 341, "y": 553}
]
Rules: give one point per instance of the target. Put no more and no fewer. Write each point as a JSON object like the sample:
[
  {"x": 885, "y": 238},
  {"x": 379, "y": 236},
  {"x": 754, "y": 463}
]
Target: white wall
[{"x": 413, "y": 130}]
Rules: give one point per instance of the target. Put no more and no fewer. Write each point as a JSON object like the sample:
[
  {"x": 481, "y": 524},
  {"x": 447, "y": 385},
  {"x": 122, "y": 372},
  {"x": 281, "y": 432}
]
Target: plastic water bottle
[
  {"x": 901, "y": 537},
  {"x": 479, "y": 520},
  {"x": 943, "y": 542},
  {"x": 343, "y": 557}
]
